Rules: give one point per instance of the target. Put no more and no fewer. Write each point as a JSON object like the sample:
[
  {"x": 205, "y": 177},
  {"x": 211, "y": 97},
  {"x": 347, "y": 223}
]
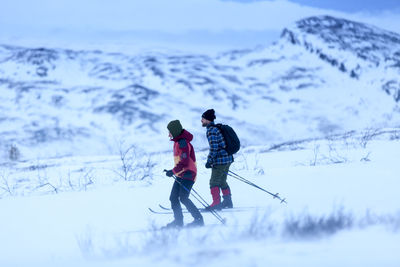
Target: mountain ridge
[
  {"x": 366, "y": 42},
  {"x": 309, "y": 83}
]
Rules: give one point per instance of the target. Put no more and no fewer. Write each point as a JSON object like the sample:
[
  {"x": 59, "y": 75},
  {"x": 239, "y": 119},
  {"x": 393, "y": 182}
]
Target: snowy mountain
[
  {"x": 325, "y": 75},
  {"x": 352, "y": 47}
]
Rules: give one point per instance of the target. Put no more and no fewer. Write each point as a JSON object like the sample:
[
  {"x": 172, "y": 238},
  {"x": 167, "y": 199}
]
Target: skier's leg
[
  {"x": 227, "y": 196},
  {"x": 175, "y": 205},
  {"x": 226, "y": 191},
  {"x": 215, "y": 184},
  {"x": 184, "y": 198}
]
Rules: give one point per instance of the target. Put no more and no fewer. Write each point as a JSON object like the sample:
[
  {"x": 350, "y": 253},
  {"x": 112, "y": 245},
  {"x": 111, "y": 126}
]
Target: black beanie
[
  {"x": 175, "y": 128},
  {"x": 209, "y": 115}
]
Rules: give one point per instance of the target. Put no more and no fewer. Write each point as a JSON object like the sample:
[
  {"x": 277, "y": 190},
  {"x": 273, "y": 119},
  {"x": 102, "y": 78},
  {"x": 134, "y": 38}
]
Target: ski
[
  {"x": 164, "y": 208},
  {"x": 203, "y": 210},
  {"x": 227, "y": 209},
  {"x": 234, "y": 209},
  {"x": 164, "y": 211}
]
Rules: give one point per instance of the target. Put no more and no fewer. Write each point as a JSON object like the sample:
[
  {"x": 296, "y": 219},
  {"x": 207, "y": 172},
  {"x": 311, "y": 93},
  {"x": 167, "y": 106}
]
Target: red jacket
[{"x": 184, "y": 156}]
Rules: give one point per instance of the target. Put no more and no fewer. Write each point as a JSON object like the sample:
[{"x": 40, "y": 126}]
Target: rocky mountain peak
[{"x": 335, "y": 39}]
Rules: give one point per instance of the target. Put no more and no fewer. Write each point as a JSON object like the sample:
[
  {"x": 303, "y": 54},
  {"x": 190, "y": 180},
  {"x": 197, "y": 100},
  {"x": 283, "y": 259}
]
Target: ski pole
[
  {"x": 214, "y": 212},
  {"x": 199, "y": 199},
  {"x": 242, "y": 179}
]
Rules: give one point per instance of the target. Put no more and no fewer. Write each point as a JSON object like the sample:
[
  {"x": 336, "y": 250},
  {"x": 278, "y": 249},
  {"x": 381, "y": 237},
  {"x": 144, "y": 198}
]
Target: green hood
[{"x": 175, "y": 128}]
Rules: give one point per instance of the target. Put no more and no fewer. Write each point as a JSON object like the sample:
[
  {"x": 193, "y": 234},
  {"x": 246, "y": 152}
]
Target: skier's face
[{"x": 204, "y": 122}]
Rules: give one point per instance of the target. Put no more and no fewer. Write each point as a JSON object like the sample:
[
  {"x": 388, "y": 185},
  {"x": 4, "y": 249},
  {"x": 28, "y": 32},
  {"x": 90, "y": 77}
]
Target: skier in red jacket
[{"x": 184, "y": 172}]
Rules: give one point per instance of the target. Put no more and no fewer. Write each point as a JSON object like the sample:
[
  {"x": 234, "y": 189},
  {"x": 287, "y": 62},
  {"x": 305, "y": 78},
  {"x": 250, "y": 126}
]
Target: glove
[
  {"x": 208, "y": 165},
  {"x": 169, "y": 173}
]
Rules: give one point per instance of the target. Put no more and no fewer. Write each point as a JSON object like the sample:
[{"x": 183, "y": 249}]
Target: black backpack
[{"x": 231, "y": 139}]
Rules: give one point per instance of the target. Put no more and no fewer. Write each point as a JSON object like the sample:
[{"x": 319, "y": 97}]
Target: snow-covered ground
[{"x": 342, "y": 193}]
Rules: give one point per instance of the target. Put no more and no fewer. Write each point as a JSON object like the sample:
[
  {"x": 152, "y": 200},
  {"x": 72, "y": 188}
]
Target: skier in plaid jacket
[{"x": 219, "y": 161}]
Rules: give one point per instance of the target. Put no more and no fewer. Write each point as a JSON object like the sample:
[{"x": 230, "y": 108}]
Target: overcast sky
[
  {"x": 372, "y": 6},
  {"x": 235, "y": 23}
]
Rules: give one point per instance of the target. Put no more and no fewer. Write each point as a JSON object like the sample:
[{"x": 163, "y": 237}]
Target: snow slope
[
  {"x": 342, "y": 209},
  {"x": 325, "y": 75}
]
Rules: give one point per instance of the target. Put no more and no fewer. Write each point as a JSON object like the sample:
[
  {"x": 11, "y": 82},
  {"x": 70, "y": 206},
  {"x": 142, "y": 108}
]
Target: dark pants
[
  {"x": 180, "y": 193},
  {"x": 219, "y": 175}
]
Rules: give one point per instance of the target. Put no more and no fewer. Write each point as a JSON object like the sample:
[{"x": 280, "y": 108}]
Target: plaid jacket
[{"x": 217, "y": 154}]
